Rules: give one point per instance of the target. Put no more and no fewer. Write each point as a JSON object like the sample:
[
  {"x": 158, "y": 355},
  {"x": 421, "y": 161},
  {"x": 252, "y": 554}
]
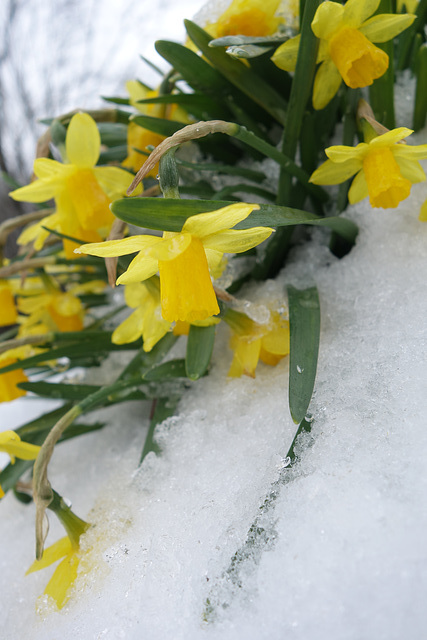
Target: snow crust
[{"x": 216, "y": 538}]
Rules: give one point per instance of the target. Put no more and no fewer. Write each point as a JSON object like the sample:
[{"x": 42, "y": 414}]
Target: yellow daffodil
[
  {"x": 384, "y": 168},
  {"x": 146, "y": 320},
  {"x": 9, "y": 314},
  {"x": 138, "y": 138},
  {"x": 65, "y": 574},
  {"x": 54, "y": 309},
  {"x": 8, "y": 381},
  {"x": 183, "y": 259},
  {"x": 252, "y": 342},
  {"x": 82, "y": 192},
  {"x": 346, "y": 33},
  {"x": 11, "y": 443},
  {"x": 407, "y": 5},
  {"x": 1, "y": 492},
  {"x": 248, "y": 18}
]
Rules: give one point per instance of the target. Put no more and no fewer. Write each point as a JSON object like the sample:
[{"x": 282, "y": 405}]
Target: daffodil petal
[
  {"x": 285, "y": 57},
  {"x": 170, "y": 247},
  {"x": 327, "y": 19},
  {"x": 136, "y": 294},
  {"x": 237, "y": 241},
  {"x": 387, "y": 26},
  {"x": 214, "y": 258},
  {"x": 334, "y": 173},
  {"x": 83, "y": 141},
  {"x": 47, "y": 168},
  {"x": 123, "y": 247},
  {"x": 415, "y": 152},
  {"x": 423, "y": 212},
  {"x": 206, "y": 224},
  {"x": 341, "y": 153},
  {"x": 141, "y": 268},
  {"x": 129, "y": 330},
  {"x": 391, "y": 137},
  {"x": 63, "y": 578},
  {"x": 357, "y": 11},
  {"x": 113, "y": 180},
  {"x": 37, "y": 191},
  {"x": 410, "y": 169},
  {"x": 359, "y": 189},
  {"x": 52, "y": 554},
  {"x": 136, "y": 91},
  {"x": 326, "y": 83}
]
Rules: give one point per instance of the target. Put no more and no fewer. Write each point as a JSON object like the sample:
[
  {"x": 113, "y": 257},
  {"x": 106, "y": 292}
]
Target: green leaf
[
  {"x": 420, "y": 106},
  {"x": 158, "y": 125},
  {"x": 229, "y": 41},
  {"x": 239, "y": 74},
  {"x": 198, "y": 104},
  {"x": 167, "y": 371},
  {"x": 250, "y": 174},
  {"x": 199, "y": 350},
  {"x": 304, "y": 321},
  {"x": 247, "y": 51},
  {"x": 164, "y": 408},
  {"x": 170, "y": 215}
]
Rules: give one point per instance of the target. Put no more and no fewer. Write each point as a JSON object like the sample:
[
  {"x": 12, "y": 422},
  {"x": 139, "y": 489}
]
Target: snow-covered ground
[{"x": 338, "y": 549}]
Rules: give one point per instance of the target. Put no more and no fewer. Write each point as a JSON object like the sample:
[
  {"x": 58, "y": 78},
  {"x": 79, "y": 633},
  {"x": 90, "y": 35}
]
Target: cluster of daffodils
[{"x": 54, "y": 295}]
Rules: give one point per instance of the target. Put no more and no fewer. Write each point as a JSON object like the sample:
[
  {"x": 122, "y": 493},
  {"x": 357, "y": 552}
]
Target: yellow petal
[
  {"x": 357, "y": 11},
  {"x": 418, "y": 152},
  {"x": 136, "y": 294},
  {"x": 170, "y": 246},
  {"x": 410, "y": 169},
  {"x": 334, "y": 173},
  {"x": 52, "y": 554},
  {"x": 136, "y": 91},
  {"x": 118, "y": 247},
  {"x": 245, "y": 358},
  {"x": 129, "y": 330},
  {"x": 391, "y": 138},
  {"x": 237, "y": 240},
  {"x": 47, "y": 168},
  {"x": 9, "y": 314},
  {"x": 63, "y": 579},
  {"x": 423, "y": 212},
  {"x": 11, "y": 443},
  {"x": 359, "y": 189},
  {"x": 385, "y": 27},
  {"x": 341, "y": 153},
  {"x": 276, "y": 341},
  {"x": 327, "y": 19},
  {"x": 185, "y": 286},
  {"x": 8, "y": 381},
  {"x": 326, "y": 84},
  {"x": 141, "y": 268},
  {"x": 37, "y": 191},
  {"x": 206, "y": 224},
  {"x": 114, "y": 181},
  {"x": 1, "y": 492},
  {"x": 83, "y": 141},
  {"x": 285, "y": 56}
]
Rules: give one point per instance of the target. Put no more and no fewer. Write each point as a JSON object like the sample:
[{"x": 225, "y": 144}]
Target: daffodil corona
[
  {"x": 346, "y": 50},
  {"x": 183, "y": 259},
  {"x": 248, "y": 18},
  {"x": 385, "y": 168}
]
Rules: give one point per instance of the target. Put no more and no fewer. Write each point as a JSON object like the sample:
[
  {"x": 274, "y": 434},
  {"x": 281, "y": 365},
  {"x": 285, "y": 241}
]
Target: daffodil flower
[
  {"x": 11, "y": 443},
  {"x": 8, "y": 381},
  {"x": 346, "y": 33},
  {"x": 183, "y": 259},
  {"x": 82, "y": 191},
  {"x": 9, "y": 313},
  {"x": 146, "y": 320},
  {"x": 248, "y": 18},
  {"x": 385, "y": 169},
  {"x": 252, "y": 342},
  {"x": 65, "y": 574},
  {"x": 139, "y": 138}
]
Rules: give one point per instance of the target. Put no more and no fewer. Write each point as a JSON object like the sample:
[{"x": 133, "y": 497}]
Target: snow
[{"x": 338, "y": 546}]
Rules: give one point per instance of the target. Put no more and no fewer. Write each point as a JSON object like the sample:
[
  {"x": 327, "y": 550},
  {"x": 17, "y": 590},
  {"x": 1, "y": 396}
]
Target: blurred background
[{"x": 59, "y": 55}]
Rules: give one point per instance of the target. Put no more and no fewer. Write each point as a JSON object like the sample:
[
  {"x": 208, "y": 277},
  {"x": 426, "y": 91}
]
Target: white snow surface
[{"x": 338, "y": 549}]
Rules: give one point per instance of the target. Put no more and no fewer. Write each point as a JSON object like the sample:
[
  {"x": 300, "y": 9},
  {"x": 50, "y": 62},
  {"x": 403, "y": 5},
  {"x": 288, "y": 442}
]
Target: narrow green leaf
[
  {"x": 420, "y": 107},
  {"x": 199, "y": 350},
  {"x": 243, "y": 172},
  {"x": 381, "y": 92},
  {"x": 164, "y": 408},
  {"x": 229, "y": 41},
  {"x": 167, "y": 371},
  {"x": 170, "y": 215},
  {"x": 304, "y": 321},
  {"x": 158, "y": 125},
  {"x": 238, "y": 74}
]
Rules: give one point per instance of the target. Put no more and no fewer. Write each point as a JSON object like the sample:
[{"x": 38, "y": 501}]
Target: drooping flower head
[
  {"x": 82, "y": 191},
  {"x": 252, "y": 341},
  {"x": 346, "y": 33},
  {"x": 384, "y": 168},
  {"x": 183, "y": 259}
]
